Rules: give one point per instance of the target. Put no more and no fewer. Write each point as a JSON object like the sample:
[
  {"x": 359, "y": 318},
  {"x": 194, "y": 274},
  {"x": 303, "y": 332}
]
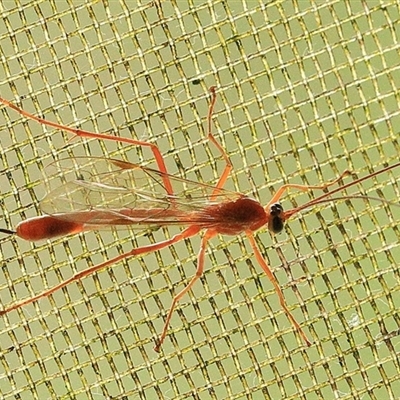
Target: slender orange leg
[
  {"x": 228, "y": 167},
  {"x": 303, "y": 188},
  {"x": 199, "y": 271},
  {"x": 102, "y": 136},
  {"x": 278, "y": 290},
  {"x": 261, "y": 259},
  {"x": 188, "y": 232}
]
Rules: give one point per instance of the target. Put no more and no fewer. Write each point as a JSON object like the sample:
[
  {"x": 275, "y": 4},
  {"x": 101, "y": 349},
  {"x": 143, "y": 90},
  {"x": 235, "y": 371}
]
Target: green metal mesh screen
[{"x": 306, "y": 89}]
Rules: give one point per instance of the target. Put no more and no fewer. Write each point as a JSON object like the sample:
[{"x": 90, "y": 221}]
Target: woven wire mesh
[{"x": 306, "y": 89}]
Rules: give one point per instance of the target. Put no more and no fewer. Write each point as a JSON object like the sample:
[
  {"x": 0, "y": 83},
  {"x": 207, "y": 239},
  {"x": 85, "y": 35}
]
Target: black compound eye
[
  {"x": 276, "y": 209},
  {"x": 275, "y": 223}
]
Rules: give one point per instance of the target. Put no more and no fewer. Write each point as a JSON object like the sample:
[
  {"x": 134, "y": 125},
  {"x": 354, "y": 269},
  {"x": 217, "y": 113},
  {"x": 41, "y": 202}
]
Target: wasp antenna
[{"x": 327, "y": 199}]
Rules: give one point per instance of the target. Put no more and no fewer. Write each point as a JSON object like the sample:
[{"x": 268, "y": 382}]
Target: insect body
[{"x": 111, "y": 199}]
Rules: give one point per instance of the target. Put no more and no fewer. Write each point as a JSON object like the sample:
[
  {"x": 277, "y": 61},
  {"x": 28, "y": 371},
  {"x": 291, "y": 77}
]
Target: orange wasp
[{"x": 127, "y": 194}]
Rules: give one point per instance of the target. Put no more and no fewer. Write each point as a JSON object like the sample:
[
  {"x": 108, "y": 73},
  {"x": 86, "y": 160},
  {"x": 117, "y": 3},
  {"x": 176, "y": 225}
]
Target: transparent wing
[{"x": 100, "y": 192}]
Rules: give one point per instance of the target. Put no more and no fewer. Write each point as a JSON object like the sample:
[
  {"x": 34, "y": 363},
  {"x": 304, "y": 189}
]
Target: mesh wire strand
[{"x": 306, "y": 89}]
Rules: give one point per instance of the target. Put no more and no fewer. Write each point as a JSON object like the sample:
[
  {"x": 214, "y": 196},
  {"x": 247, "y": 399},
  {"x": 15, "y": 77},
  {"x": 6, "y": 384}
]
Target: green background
[{"x": 306, "y": 90}]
